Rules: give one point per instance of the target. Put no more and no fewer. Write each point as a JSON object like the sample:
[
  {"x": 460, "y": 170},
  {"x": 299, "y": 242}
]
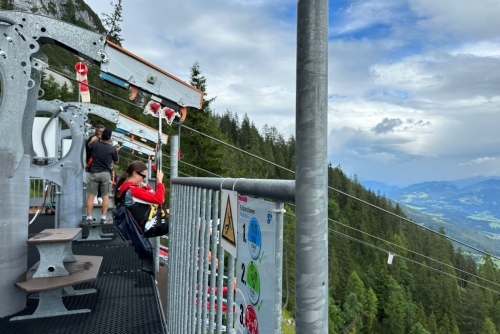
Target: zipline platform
[{"x": 126, "y": 300}]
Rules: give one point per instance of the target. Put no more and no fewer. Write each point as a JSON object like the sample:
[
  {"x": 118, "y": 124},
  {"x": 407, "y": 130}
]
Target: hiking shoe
[
  {"x": 89, "y": 221},
  {"x": 103, "y": 220}
]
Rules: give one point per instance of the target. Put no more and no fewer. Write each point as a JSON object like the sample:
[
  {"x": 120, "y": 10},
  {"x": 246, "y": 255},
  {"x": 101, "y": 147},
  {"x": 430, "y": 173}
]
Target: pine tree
[
  {"x": 195, "y": 148},
  {"x": 369, "y": 309},
  {"x": 50, "y": 87},
  {"x": 66, "y": 95},
  {"x": 112, "y": 23},
  {"x": 418, "y": 328},
  {"x": 351, "y": 314},
  {"x": 395, "y": 308},
  {"x": 7, "y": 4},
  {"x": 496, "y": 314},
  {"x": 432, "y": 323},
  {"x": 488, "y": 327},
  {"x": 472, "y": 309},
  {"x": 335, "y": 321}
]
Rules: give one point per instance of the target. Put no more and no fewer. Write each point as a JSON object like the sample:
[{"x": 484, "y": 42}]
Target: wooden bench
[
  {"x": 52, "y": 289},
  {"x": 95, "y": 231},
  {"x": 55, "y": 248}
]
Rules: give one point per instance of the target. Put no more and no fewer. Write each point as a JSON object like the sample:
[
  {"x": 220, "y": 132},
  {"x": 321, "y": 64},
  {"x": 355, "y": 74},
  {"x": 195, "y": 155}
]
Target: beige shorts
[{"x": 99, "y": 181}]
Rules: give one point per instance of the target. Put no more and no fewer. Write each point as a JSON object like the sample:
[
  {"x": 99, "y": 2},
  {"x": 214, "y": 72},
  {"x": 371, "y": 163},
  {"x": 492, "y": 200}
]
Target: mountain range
[{"x": 468, "y": 209}]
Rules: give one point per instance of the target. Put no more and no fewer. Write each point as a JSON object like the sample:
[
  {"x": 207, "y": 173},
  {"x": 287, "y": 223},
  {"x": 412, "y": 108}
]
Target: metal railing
[
  {"x": 201, "y": 274},
  {"x": 42, "y": 196}
]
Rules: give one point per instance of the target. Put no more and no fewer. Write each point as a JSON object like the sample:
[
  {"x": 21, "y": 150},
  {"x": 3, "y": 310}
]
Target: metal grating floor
[{"x": 126, "y": 300}]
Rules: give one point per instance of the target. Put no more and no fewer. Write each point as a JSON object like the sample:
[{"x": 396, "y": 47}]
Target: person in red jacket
[{"x": 137, "y": 195}]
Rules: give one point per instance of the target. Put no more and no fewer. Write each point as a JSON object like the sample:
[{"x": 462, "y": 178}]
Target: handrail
[{"x": 281, "y": 190}]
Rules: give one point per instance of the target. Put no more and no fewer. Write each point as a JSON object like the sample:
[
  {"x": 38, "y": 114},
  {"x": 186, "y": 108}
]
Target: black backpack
[{"x": 131, "y": 232}]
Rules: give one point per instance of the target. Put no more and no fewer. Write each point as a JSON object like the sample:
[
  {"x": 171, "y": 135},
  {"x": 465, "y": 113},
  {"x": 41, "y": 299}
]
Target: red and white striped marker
[{"x": 81, "y": 76}]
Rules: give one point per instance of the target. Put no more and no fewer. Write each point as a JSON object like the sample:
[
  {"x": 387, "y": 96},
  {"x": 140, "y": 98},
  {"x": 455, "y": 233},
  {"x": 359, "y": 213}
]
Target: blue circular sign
[{"x": 254, "y": 238}]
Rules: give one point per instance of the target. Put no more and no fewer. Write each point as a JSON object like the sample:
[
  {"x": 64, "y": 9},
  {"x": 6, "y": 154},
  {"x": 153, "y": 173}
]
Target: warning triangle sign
[{"x": 228, "y": 226}]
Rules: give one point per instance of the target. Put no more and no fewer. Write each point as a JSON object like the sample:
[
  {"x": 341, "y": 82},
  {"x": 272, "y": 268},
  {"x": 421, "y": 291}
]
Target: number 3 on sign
[
  {"x": 242, "y": 315},
  {"x": 248, "y": 319}
]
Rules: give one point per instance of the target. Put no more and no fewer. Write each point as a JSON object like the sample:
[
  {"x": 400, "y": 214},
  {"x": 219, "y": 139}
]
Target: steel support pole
[
  {"x": 19, "y": 85},
  {"x": 311, "y": 195},
  {"x": 171, "y": 280}
]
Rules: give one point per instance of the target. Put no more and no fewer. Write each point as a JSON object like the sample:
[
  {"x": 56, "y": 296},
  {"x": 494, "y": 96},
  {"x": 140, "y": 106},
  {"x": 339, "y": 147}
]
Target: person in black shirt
[
  {"x": 95, "y": 137},
  {"x": 88, "y": 155},
  {"x": 103, "y": 154}
]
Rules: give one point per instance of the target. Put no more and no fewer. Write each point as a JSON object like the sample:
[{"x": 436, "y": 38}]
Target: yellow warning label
[{"x": 228, "y": 226}]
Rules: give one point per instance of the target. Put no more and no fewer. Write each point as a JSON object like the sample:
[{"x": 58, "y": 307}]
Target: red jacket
[{"x": 144, "y": 194}]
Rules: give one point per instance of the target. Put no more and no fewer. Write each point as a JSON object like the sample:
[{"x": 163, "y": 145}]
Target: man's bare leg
[
  {"x": 105, "y": 205},
  {"x": 90, "y": 204}
]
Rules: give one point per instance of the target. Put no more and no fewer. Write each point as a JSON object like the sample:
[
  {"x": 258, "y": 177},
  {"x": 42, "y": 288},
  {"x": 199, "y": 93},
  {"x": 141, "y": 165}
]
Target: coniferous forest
[{"x": 431, "y": 286}]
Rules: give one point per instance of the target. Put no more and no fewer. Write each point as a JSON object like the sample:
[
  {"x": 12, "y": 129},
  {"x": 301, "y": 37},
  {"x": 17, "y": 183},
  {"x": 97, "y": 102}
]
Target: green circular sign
[{"x": 253, "y": 283}]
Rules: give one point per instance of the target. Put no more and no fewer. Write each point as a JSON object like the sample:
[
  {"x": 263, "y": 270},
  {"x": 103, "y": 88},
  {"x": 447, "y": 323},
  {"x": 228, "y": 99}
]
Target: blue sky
[{"x": 414, "y": 86}]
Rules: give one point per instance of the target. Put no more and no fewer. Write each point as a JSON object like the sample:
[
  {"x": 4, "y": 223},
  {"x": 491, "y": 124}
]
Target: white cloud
[
  {"x": 413, "y": 87},
  {"x": 478, "y": 161},
  {"x": 364, "y": 14},
  {"x": 482, "y": 49},
  {"x": 459, "y": 18},
  {"x": 406, "y": 74}
]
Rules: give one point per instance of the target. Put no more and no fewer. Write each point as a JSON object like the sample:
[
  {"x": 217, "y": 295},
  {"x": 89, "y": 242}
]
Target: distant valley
[{"x": 468, "y": 209}]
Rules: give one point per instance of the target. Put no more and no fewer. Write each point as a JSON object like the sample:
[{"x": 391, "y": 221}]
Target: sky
[{"x": 413, "y": 85}]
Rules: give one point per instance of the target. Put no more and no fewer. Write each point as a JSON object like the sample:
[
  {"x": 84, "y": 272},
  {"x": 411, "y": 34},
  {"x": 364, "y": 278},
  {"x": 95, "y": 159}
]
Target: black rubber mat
[{"x": 125, "y": 302}]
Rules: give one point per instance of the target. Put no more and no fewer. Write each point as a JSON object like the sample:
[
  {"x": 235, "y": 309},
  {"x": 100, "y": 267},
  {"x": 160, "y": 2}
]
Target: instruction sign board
[
  {"x": 256, "y": 269},
  {"x": 229, "y": 216}
]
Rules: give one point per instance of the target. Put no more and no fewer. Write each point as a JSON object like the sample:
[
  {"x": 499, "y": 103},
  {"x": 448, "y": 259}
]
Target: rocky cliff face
[
  {"x": 72, "y": 11},
  {"x": 76, "y": 12}
]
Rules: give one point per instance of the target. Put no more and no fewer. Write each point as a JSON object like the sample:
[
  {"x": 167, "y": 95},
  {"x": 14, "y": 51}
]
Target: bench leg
[
  {"x": 68, "y": 253},
  {"x": 50, "y": 304},
  {"x": 52, "y": 257},
  {"x": 107, "y": 235},
  {"x": 69, "y": 291},
  {"x": 95, "y": 233}
]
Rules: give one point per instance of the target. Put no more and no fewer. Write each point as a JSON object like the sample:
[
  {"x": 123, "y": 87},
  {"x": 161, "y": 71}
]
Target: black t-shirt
[{"x": 103, "y": 155}]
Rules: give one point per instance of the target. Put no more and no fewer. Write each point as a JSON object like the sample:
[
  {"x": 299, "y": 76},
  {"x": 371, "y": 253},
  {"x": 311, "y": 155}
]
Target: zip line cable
[
  {"x": 390, "y": 243},
  {"x": 194, "y": 166},
  {"x": 204, "y": 170},
  {"x": 355, "y": 198},
  {"x": 421, "y": 226},
  {"x": 238, "y": 149},
  {"x": 414, "y": 252},
  {"x": 184, "y": 126},
  {"x": 358, "y": 199},
  {"x": 411, "y": 260},
  {"x": 163, "y": 166},
  {"x": 401, "y": 247},
  {"x": 289, "y": 170}
]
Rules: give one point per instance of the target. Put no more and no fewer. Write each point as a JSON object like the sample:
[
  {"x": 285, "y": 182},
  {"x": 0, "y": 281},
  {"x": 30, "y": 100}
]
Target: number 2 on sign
[{"x": 243, "y": 274}]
